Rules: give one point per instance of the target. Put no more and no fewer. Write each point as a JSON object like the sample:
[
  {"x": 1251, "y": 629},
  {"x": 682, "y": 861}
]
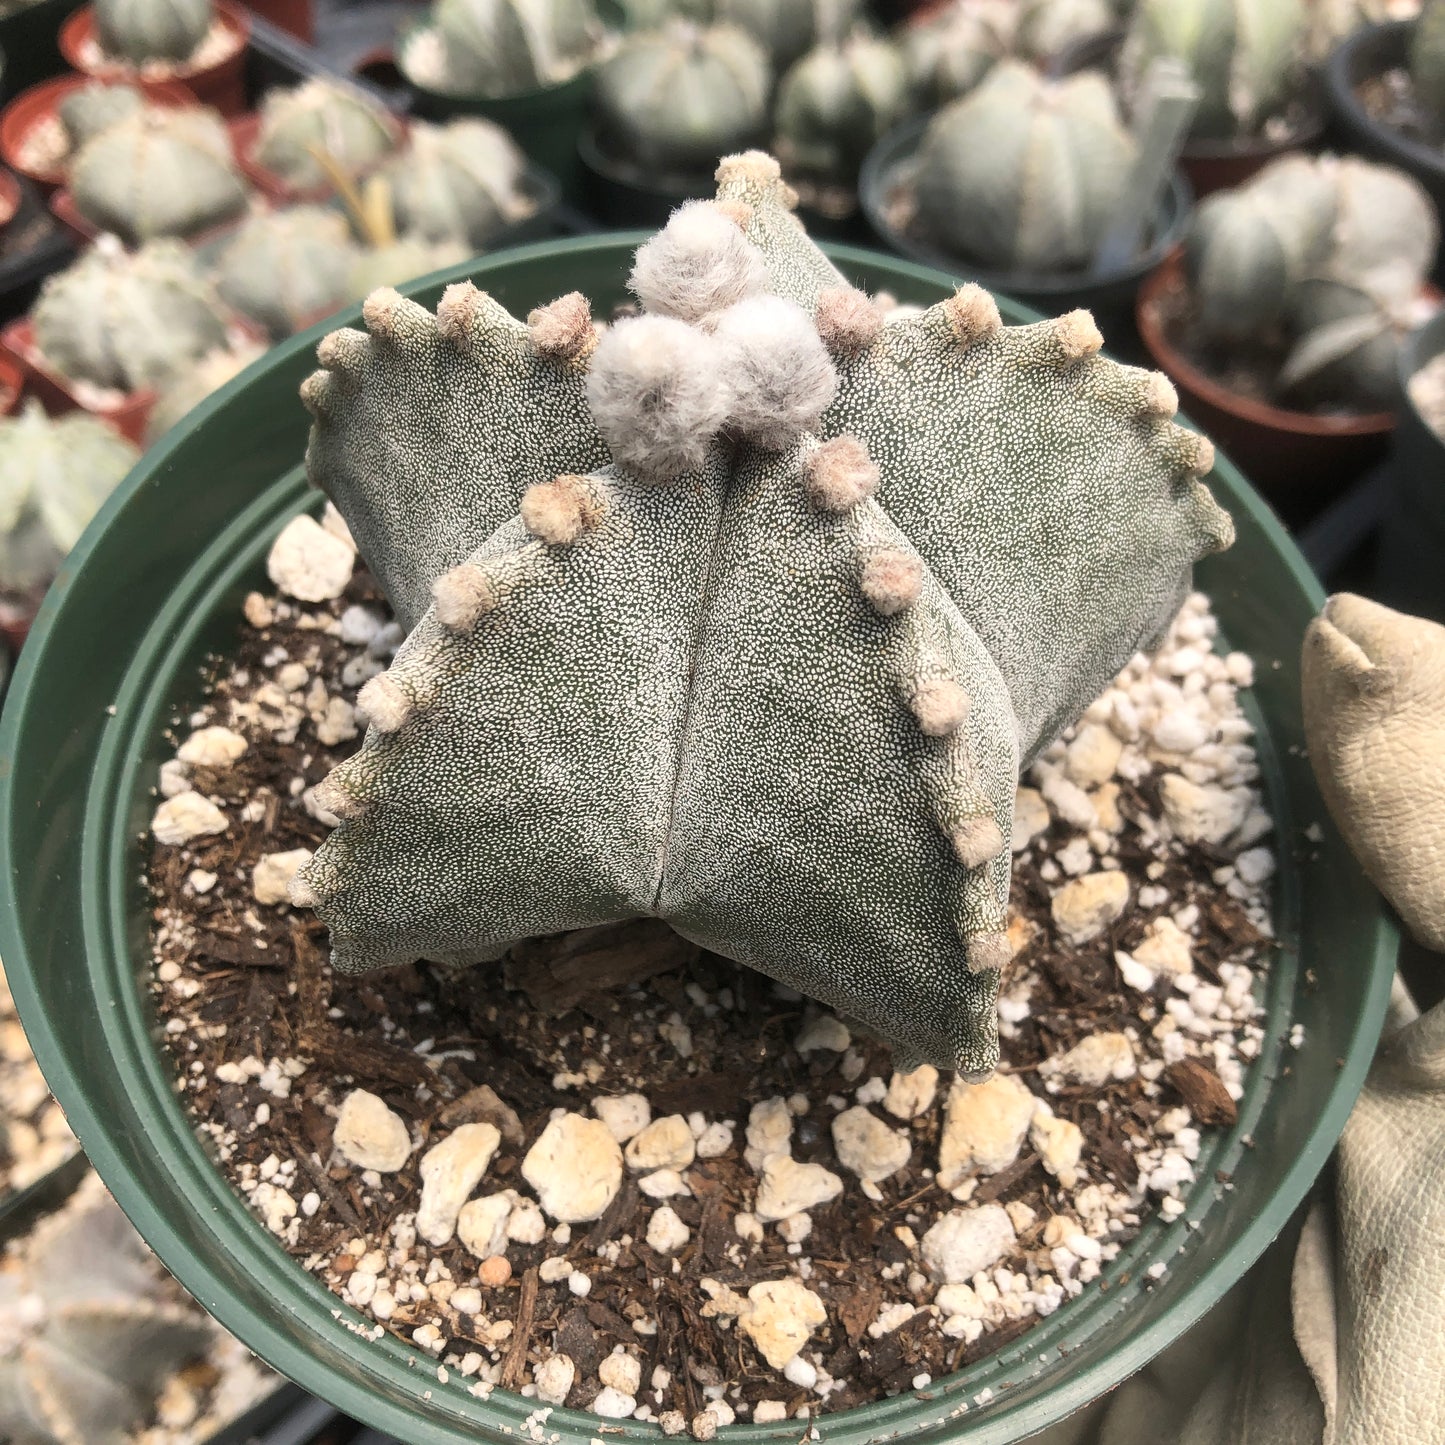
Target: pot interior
[{"x": 156, "y": 586}]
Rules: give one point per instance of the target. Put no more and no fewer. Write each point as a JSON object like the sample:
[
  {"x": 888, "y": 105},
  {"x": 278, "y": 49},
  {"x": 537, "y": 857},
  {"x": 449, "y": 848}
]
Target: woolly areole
[{"x": 745, "y": 617}]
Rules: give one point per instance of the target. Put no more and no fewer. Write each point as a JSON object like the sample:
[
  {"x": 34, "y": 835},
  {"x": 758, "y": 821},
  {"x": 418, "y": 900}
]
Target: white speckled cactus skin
[
  {"x": 680, "y": 97},
  {"x": 762, "y": 676},
  {"x": 286, "y": 269},
  {"x": 53, "y": 477},
  {"x": 1023, "y": 174},
  {"x": 159, "y": 172},
  {"x": 948, "y": 54},
  {"x": 503, "y": 47},
  {"x": 836, "y": 102},
  {"x": 459, "y": 182},
  {"x": 1427, "y": 58},
  {"x": 351, "y": 127},
  {"x": 142, "y": 30},
  {"x": 1246, "y": 55},
  {"x": 88, "y": 111},
  {"x": 128, "y": 320},
  {"x": 85, "y": 1343}
]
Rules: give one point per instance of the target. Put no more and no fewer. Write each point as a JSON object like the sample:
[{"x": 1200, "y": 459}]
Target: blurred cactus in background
[
  {"x": 138, "y": 31},
  {"x": 350, "y": 127},
  {"x": 950, "y": 52},
  {"x": 86, "y": 112}
]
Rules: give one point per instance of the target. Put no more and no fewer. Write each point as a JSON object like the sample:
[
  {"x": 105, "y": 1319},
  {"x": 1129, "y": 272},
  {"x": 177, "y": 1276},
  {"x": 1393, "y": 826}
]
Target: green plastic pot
[{"x": 157, "y": 583}]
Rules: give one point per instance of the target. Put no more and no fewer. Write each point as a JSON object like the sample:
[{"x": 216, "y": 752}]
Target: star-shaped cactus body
[{"x": 770, "y": 672}]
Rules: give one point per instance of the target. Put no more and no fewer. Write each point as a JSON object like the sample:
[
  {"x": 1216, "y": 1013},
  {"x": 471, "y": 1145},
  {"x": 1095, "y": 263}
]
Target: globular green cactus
[
  {"x": 1024, "y": 173},
  {"x": 491, "y": 48},
  {"x": 354, "y": 130},
  {"x": 1048, "y": 27},
  {"x": 460, "y": 182},
  {"x": 836, "y": 102},
  {"x": 158, "y": 172},
  {"x": 287, "y": 269},
  {"x": 1247, "y": 56},
  {"x": 87, "y": 1334},
  {"x": 949, "y": 53},
  {"x": 53, "y": 477},
  {"x": 90, "y": 109},
  {"x": 786, "y": 29},
  {"x": 395, "y": 262},
  {"x": 186, "y": 391},
  {"x": 138, "y": 31},
  {"x": 1324, "y": 257},
  {"x": 743, "y": 614},
  {"x": 128, "y": 320},
  {"x": 1427, "y": 59},
  {"x": 680, "y": 97}
]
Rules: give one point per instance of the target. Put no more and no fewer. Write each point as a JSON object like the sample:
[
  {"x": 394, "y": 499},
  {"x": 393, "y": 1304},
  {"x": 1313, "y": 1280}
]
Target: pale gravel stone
[
  {"x": 309, "y": 562},
  {"x": 791, "y": 1188},
  {"x": 1059, "y": 1144},
  {"x": 715, "y": 1140},
  {"x": 613, "y": 1404},
  {"x": 663, "y": 1184},
  {"x": 965, "y": 1241},
  {"x": 211, "y": 747},
  {"x": 1092, "y": 756},
  {"x": 1166, "y": 949},
  {"x": 554, "y": 1379},
  {"x": 482, "y": 1223},
  {"x": 368, "y": 1135},
  {"x": 185, "y": 817},
  {"x": 525, "y": 1224},
  {"x": 175, "y": 778},
  {"x": 770, "y": 1131},
  {"x": 624, "y": 1114},
  {"x": 779, "y": 1317},
  {"x": 911, "y": 1094},
  {"x": 867, "y": 1146},
  {"x": 1094, "y": 1061},
  {"x": 665, "y": 1231},
  {"x": 1031, "y": 817},
  {"x": 1085, "y": 907},
  {"x": 272, "y": 875},
  {"x": 824, "y": 1031},
  {"x": 984, "y": 1127},
  {"x": 622, "y": 1371},
  {"x": 1201, "y": 814},
  {"x": 575, "y": 1168},
  {"x": 449, "y": 1172},
  {"x": 665, "y": 1143}
]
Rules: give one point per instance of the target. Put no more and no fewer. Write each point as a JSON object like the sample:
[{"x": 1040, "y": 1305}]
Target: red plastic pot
[
  {"x": 12, "y": 383},
  {"x": 221, "y": 84},
  {"x": 245, "y": 132},
  {"x": 42, "y": 102},
  {"x": 57, "y": 393},
  {"x": 1299, "y": 460}
]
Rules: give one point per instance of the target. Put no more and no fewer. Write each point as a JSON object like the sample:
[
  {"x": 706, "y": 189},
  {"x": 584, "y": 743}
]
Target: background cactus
[
  {"x": 88, "y": 111},
  {"x": 397, "y": 261},
  {"x": 643, "y": 687},
  {"x": 286, "y": 269},
  {"x": 679, "y": 97},
  {"x": 158, "y": 172},
  {"x": 1048, "y": 27},
  {"x": 496, "y": 48},
  {"x": 187, "y": 390},
  {"x": 461, "y": 182},
  {"x": 128, "y": 320},
  {"x": 786, "y": 29},
  {"x": 1024, "y": 173},
  {"x": 351, "y": 127},
  {"x": 53, "y": 477},
  {"x": 948, "y": 54},
  {"x": 89, "y": 1330},
  {"x": 1246, "y": 55},
  {"x": 836, "y": 102},
  {"x": 138, "y": 31},
  {"x": 1427, "y": 58},
  {"x": 1324, "y": 257}
]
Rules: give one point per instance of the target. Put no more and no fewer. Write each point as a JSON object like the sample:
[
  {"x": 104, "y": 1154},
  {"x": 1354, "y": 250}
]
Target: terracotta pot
[
  {"x": 9, "y": 198},
  {"x": 221, "y": 84},
  {"x": 1299, "y": 460},
  {"x": 42, "y": 103},
  {"x": 12, "y": 383},
  {"x": 295, "y": 17},
  {"x": 57, "y": 393},
  {"x": 245, "y": 132}
]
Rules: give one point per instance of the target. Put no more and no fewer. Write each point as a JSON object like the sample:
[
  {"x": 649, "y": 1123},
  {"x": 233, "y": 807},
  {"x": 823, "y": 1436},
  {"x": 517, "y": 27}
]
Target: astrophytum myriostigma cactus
[
  {"x": 460, "y": 182},
  {"x": 493, "y": 48},
  {"x": 138, "y": 31},
  {"x": 287, "y": 269},
  {"x": 91, "y": 109},
  {"x": 87, "y": 1336},
  {"x": 949, "y": 53},
  {"x": 1024, "y": 173},
  {"x": 1247, "y": 56},
  {"x": 353, "y": 130},
  {"x": 836, "y": 102},
  {"x": 743, "y": 614},
  {"x": 680, "y": 97},
  {"x": 128, "y": 320},
  {"x": 1427, "y": 59},
  {"x": 54, "y": 474},
  {"x": 1048, "y": 27},
  {"x": 158, "y": 172}
]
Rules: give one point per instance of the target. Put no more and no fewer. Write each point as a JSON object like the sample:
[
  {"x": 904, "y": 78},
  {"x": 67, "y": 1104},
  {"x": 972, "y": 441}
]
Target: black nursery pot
[
  {"x": 1110, "y": 296},
  {"x": 621, "y": 193},
  {"x": 1412, "y": 535},
  {"x": 1370, "y": 52}
]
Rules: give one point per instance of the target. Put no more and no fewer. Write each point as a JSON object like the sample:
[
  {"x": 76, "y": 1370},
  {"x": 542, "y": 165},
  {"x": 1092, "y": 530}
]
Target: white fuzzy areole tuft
[
  {"x": 1077, "y": 336},
  {"x": 941, "y": 707},
  {"x": 463, "y": 595},
  {"x": 781, "y": 375},
  {"x": 562, "y": 330},
  {"x": 976, "y": 841},
  {"x": 384, "y": 703},
  {"x": 1201, "y": 455},
  {"x": 332, "y": 797},
  {"x": 989, "y": 951},
  {"x": 560, "y": 511},
  {"x": 738, "y": 212},
  {"x": 892, "y": 580},
  {"x": 318, "y": 394},
  {"x": 700, "y": 263},
  {"x": 300, "y": 892},
  {"x": 848, "y": 321},
  {"x": 749, "y": 168},
  {"x": 1160, "y": 398},
  {"x": 972, "y": 314},
  {"x": 455, "y": 310},
  {"x": 346, "y": 350},
  {"x": 380, "y": 308},
  {"x": 658, "y": 394},
  {"x": 838, "y": 476}
]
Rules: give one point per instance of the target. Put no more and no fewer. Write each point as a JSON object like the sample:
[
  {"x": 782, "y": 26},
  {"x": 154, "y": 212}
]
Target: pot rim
[
  {"x": 933, "y": 1412},
  {"x": 81, "y": 23},
  {"x": 1170, "y": 277}
]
